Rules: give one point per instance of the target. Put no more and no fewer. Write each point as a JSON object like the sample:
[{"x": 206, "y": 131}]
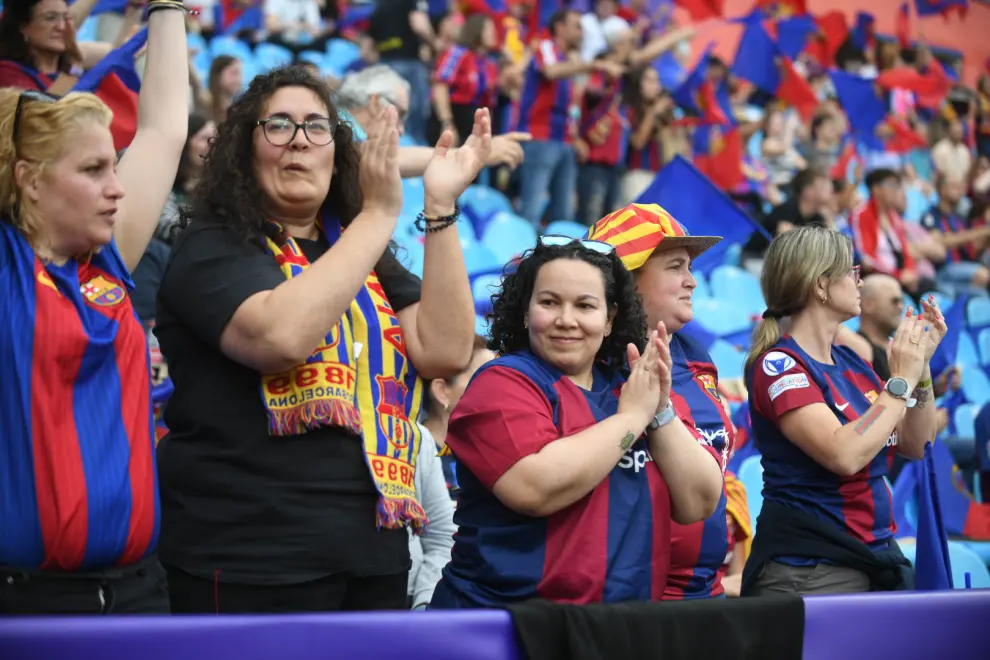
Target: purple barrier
[{"x": 937, "y": 625}]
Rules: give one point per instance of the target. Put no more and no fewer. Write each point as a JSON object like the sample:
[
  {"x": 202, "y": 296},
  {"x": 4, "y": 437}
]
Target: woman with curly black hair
[
  {"x": 569, "y": 471},
  {"x": 297, "y": 344}
]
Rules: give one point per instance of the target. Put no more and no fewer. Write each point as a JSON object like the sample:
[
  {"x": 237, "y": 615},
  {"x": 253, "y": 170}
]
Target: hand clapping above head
[{"x": 451, "y": 172}]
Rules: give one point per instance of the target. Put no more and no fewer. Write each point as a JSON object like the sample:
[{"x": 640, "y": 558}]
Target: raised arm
[{"x": 147, "y": 169}]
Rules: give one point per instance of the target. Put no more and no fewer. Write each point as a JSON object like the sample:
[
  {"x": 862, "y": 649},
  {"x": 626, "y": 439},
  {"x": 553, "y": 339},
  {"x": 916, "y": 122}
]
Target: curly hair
[
  {"x": 510, "y": 303},
  {"x": 228, "y": 192}
]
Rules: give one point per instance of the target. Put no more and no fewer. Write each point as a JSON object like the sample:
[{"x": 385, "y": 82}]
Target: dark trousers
[
  {"x": 137, "y": 589},
  {"x": 194, "y": 595}
]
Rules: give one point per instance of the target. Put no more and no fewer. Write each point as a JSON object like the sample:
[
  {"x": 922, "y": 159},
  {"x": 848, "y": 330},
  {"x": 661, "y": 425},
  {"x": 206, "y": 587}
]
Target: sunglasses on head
[
  {"x": 23, "y": 98},
  {"x": 558, "y": 240}
]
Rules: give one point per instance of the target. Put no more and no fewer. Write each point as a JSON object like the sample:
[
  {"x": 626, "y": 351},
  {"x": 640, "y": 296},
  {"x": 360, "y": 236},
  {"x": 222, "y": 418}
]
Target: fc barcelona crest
[
  {"x": 392, "y": 411},
  {"x": 708, "y": 382},
  {"x": 101, "y": 291}
]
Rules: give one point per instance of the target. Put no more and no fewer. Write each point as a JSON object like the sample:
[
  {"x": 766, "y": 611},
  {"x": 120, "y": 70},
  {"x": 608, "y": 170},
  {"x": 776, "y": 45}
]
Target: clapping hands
[{"x": 451, "y": 171}]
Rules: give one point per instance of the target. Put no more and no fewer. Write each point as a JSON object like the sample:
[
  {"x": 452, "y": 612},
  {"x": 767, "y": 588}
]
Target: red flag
[
  {"x": 123, "y": 101},
  {"x": 902, "y": 26},
  {"x": 718, "y": 155},
  {"x": 847, "y": 156},
  {"x": 930, "y": 87},
  {"x": 795, "y": 90},
  {"x": 903, "y": 138},
  {"x": 833, "y": 30},
  {"x": 702, "y": 10}
]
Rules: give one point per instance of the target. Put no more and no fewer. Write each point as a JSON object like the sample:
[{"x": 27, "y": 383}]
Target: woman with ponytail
[{"x": 828, "y": 426}]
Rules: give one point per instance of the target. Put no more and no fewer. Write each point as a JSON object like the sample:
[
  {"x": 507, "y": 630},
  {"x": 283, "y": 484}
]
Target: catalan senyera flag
[{"x": 638, "y": 229}]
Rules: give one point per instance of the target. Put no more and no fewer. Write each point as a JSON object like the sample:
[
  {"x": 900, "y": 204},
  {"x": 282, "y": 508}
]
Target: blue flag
[
  {"x": 793, "y": 34},
  {"x": 936, "y": 7},
  {"x": 756, "y": 58},
  {"x": 931, "y": 565},
  {"x": 863, "y": 105},
  {"x": 108, "y": 7},
  {"x": 702, "y": 208},
  {"x": 948, "y": 348}
]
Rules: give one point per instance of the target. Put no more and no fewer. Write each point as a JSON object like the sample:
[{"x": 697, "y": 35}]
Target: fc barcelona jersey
[
  {"x": 77, "y": 468},
  {"x": 611, "y": 545}
]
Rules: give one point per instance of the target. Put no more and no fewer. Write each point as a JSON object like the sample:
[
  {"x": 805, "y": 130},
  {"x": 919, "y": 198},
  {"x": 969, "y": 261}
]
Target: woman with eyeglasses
[
  {"x": 298, "y": 346},
  {"x": 79, "y": 502},
  {"x": 828, "y": 427},
  {"x": 570, "y": 470}
]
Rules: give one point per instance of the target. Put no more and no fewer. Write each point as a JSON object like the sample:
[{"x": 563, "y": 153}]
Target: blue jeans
[
  {"x": 597, "y": 192},
  {"x": 418, "y": 76},
  {"x": 549, "y": 167}
]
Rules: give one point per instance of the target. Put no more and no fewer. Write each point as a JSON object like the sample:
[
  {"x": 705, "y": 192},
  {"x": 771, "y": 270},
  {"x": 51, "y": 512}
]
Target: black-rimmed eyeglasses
[
  {"x": 280, "y": 131},
  {"x": 559, "y": 240},
  {"x": 24, "y": 97}
]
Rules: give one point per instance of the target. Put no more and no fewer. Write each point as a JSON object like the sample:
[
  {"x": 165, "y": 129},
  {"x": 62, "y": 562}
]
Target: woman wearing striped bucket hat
[{"x": 659, "y": 251}]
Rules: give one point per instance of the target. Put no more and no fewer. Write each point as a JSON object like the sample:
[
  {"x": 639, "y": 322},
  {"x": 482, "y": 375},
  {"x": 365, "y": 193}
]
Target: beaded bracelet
[
  {"x": 156, "y": 5},
  {"x": 429, "y": 225}
]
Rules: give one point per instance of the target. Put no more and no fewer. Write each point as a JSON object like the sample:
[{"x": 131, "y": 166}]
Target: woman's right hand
[
  {"x": 381, "y": 182},
  {"x": 640, "y": 395},
  {"x": 72, "y": 51},
  {"x": 906, "y": 354}
]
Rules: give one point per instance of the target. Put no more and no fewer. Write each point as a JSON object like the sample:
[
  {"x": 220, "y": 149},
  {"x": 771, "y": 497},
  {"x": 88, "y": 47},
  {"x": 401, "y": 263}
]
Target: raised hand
[
  {"x": 381, "y": 182},
  {"x": 665, "y": 365},
  {"x": 450, "y": 171},
  {"x": 936, "y": 326},
  {"x": 641, "y": 393},
  {"x": 906, "y": 354},
  {"x": 507, "y": 149}
]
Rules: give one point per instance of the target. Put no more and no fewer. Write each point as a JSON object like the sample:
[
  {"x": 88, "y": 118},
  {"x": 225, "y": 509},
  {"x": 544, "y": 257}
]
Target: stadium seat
[
  {"x": 228, "y": 45},
  {"x": 975, "y": 385},
  {"x": 965, "y": 561},
  {"x": 481, "y": 204},
  {"x": 733, "y": 255},
  {"x": 981, "y": 548},
  {"x": 508, "y": 236},
  {"x": 702, "y": 290},
  {"x": 978, "y": 312},
  {"x": 735, "y": 284},
  {"x": 201, "y": 63},
  {"x": 480, "y": 260},
  {"x": 317, "y": 57},
  {"x": 964, "y": 417},
  {"x": 271, "y": 56},
  {"x": 751, "y": 476},
  {"x": 194, "y": 41},
  {"x": 852, "y": 324},
  {"x": 482, "y": 289},
  {"x": 721, "y": 316},
  {"x": 943, "y": 300},
  {"x": 983, "y": 344},
  {"x": 567, "y": 228},
  {"x": 88, "y": 30},
  {"x": 343, "y": 50},
  {"x": 728, "y": 359},
  {"x": 909, "y": 547}
]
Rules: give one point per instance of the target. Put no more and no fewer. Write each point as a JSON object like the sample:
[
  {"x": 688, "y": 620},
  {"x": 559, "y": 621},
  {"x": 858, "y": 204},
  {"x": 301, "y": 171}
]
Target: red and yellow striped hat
[{"x": 638, "y": 230}]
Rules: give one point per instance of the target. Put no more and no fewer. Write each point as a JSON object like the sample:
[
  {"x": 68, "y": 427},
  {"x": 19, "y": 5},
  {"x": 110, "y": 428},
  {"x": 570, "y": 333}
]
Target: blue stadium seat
[
  {"x": 271, "y": 56},
  {"x": 508, "y": 236},
  {"x": 983, "y": 343},
  {"x": 751, "y": 476},
  {"x": 87, "y": 31},
  {"x": 975, "y": 385},
  {"x": 482, "y": 289},
  {"x": 735, "y": 284},
  {"x": 343, "y": 50},
  {"x": 733, "y": 255},
  {"x": 964, "y": 417},
  {"x": 981, "y": 548},
  {"x": 317, "y": 57},
  {"x": 481, "y": 204},
  {"x": 965, "y": 561},
  {"x": 728, "y": 359},
  {"x": 943, "y": 300},
  {"x": 721, "y": 317},
  {"x": 480, "y": 260},
  {"x": 195, "y": 41},
  {"x": 228, "y": 45},
  {"x": 567, "y": 228},
  {"x": 702, "y": 290},
  {"x": 201, "y": 63},
  {"x": 412, "y": 196},
  {"x": 978, "y": 312},
  {"x": 852, "y": 324},
  {"x": 909, "y": 548}
]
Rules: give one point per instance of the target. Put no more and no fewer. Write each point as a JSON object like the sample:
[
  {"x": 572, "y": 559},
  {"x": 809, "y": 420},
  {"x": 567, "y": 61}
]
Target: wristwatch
[
  {"x": 662, "y": 418},
  {"x": 899, "y": 388}
]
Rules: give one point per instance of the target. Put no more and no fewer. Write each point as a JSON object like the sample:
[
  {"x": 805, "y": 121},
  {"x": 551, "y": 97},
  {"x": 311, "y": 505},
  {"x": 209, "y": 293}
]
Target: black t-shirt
[
  {"x": 880, "y": 364},
  {"x": 389, "y": 27},
  {"x": 786, "y": 212},
  {"x": 147, "y": 277},
  {"x": 259, "y": 509}
]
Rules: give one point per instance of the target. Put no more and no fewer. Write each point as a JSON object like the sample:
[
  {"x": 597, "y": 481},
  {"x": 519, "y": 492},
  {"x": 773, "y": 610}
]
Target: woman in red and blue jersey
[
  {"x": 78, "y": 492},
  {"x": 828, "y": 427},
  {"x": 569, "y": 472},
  {"x": 659, "y": 251},
  {"x": 465, "y": 79}
]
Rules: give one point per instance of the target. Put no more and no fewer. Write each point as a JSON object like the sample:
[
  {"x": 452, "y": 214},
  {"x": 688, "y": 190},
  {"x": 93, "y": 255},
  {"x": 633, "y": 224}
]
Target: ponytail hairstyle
[{"x": 793, "y": 264}]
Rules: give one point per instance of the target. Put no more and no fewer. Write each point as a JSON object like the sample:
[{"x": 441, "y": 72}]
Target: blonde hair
[
  {"x": 793, "y": 264},
  {"x": 43, "y": 131}
]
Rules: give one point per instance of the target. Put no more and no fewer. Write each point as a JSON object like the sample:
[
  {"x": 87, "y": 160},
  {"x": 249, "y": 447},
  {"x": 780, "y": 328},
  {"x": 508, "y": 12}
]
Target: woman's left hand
[
  {"x": 450, "y": 172},
  {"x": 935, "y": 326},
  {"x": 665, "y": 364}
]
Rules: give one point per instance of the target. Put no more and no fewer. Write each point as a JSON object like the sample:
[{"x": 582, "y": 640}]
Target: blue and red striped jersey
[
  {"x": 611, "y": 545},
  {"x": 650, "y": 157},
  {"x": 950, "y": 223},
  {"x": 786, "y": 378},
  {"x": 545, "y": 104},
  {"x": 604, "y": 121},
  {"x": 77, "y": 467},
  {"x": 471, "y": 79},
  {"x": 698, "y": 551}
]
